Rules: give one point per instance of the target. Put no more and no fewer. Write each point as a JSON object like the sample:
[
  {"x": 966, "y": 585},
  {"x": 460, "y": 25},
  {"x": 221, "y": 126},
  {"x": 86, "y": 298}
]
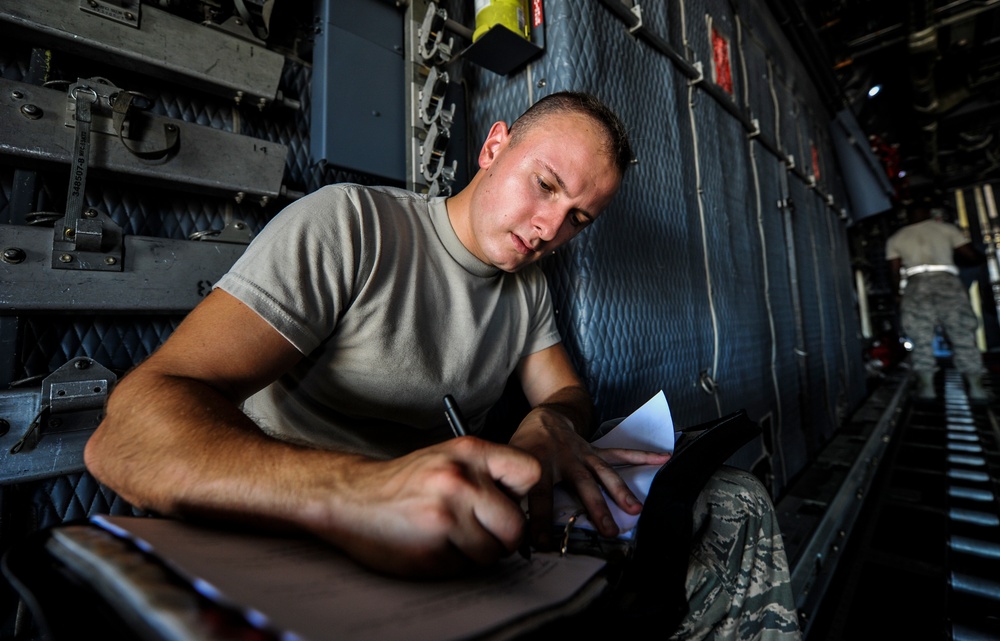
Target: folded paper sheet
[{"x": 650, "y": 427}]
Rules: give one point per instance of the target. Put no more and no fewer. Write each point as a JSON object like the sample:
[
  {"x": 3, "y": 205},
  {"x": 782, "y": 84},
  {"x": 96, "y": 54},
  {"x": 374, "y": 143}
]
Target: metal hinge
[{"x": 69, "y": 407}]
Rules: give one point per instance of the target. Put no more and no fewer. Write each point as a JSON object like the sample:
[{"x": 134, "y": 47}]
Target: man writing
[{"x": 305, "y": 391}]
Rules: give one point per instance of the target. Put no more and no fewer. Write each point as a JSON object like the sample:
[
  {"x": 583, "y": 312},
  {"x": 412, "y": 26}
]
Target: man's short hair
[{"x": 616, "y": 143}]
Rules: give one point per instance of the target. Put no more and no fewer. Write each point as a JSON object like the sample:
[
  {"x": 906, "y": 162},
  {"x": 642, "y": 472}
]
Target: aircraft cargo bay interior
[{"x": 738, "y": 232}]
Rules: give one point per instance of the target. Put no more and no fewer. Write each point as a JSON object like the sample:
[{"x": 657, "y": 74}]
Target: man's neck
[{"x": 458, "y": 207}]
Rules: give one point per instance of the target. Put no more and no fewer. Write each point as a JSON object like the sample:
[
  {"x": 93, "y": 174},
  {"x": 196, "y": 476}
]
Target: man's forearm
[
  {"x": 574, "y": 404},
  {"x": 178, "y": 447}
]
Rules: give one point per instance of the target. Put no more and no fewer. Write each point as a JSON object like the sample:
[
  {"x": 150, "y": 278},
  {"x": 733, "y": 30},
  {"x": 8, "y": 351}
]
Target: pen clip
[
  {"x": 454, "y": 416},
  {"x": 451, "y": 423}
]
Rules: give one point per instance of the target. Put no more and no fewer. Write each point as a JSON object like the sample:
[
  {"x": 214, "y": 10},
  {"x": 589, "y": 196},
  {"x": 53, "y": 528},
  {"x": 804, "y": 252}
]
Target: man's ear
[{"x": 497, "y": 139}]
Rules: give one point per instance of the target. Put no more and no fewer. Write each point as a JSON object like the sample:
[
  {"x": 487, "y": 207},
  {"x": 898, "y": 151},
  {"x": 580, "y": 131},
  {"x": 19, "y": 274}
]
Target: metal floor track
[{"x": 921, "y": 560}]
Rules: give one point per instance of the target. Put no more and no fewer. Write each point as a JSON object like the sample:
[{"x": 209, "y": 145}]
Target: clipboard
[{"x": 647, "y": 572}]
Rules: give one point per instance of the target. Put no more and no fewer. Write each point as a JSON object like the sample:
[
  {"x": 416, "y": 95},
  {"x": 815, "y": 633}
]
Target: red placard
[
  {"x": 537, "y": 16},
  {"x": 720, "y": 54}
]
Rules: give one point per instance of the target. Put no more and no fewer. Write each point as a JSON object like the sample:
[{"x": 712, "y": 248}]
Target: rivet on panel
[{"x": 13, "y": 255}]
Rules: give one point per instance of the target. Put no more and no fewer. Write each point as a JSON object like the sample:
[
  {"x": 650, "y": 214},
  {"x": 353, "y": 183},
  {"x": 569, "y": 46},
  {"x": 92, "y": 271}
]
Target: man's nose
[{"x": 548, "y": 222}]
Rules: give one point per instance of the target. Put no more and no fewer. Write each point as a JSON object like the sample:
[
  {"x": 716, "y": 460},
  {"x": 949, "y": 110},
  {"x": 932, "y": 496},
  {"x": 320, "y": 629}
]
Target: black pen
[
  {"x": 457, "y": 422},
  {"x": 454, "y": 416}
]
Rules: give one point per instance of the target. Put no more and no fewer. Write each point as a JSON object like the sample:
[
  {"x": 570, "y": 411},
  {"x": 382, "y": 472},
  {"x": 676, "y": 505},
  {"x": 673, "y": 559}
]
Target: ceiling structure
[{"x": 935, "y": 119}]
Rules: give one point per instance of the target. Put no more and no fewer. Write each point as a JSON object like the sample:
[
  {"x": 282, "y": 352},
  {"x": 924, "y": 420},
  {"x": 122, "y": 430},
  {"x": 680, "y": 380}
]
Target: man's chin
[
  {"x": 513, "y": 261},
  {"x": 519, "y": 263}
]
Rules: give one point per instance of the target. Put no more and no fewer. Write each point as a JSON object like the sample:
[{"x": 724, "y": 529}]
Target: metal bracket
[
  {"x": 432, "y": 155},
  {"x": 701, "y": 73},
  {"x": 68, "y": 409},
  {"x": 430, "y": 36},
  {"x": 91, "y": 242},
  {"x": 237, "y": 232},
  {"x": 82, "y": 384},
  {"x": 637, "y": 12},
  {"x": 126, "y": 12},
  {"x": 707, "y": 382},
  {"x": 441, "y": 187},
  {"x": 237, "y": 27},
  {"x": 431, "y": 99}
]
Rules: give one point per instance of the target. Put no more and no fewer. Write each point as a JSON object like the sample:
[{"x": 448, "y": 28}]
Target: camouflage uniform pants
[
  {"x": 738, "y": 581},
  {"x": 941, "y": 299}
]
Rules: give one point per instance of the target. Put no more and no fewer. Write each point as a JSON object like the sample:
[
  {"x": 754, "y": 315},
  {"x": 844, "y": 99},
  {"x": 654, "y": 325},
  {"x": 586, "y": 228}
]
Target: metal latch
[
  {"x": 86, "y": 238},
  {"x": 73, "y": 399}
]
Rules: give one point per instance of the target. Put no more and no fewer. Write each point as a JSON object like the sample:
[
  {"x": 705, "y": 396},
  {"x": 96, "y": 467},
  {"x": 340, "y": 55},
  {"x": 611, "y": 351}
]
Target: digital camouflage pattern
[
  {"x": 941, "y": 299},
  {"x": 738, "y": 581}
]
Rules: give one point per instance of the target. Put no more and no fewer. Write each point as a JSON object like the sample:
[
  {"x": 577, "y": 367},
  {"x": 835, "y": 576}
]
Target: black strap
[
  {"x": 653, "y": 582},
  {"x": 85, "y": 98},
  {"x": 124, "y": 104}
]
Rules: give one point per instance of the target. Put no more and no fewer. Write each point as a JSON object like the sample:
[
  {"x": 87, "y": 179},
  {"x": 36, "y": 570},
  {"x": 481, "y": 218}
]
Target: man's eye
[
  {"x": 579, "y": 220},
  {"x": 544, "y": 185}
]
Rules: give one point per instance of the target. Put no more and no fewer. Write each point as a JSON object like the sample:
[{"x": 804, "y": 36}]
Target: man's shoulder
[
  {"x": 930, "y": 226},
  {"x": 948, "y": 230},
  {"x": 377, "y": 193}
]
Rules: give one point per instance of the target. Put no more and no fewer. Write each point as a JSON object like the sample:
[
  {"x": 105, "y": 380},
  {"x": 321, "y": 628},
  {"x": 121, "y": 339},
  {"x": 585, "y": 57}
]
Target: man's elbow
[
  {"x": 106, "y": 452},
  {"x": 93, "y": 456},
  {"x": 99, "y": 455}
]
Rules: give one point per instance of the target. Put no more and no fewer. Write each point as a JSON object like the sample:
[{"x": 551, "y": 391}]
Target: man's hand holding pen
[
  {"x": 433, "y": 512},
  {"x": 456, "y": 420}
]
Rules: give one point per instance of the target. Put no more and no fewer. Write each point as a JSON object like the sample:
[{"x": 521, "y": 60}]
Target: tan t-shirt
[
  {"x": 928, "y": 242},
  {"x": 391, "y": 312}
]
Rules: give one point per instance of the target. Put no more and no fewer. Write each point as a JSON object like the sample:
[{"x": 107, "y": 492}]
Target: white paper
[{"x": 650, "y": 427}]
